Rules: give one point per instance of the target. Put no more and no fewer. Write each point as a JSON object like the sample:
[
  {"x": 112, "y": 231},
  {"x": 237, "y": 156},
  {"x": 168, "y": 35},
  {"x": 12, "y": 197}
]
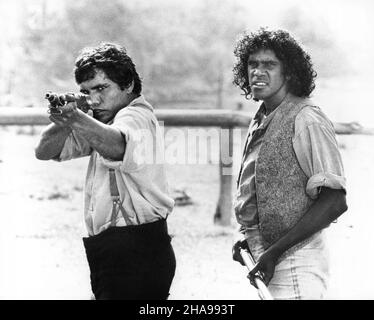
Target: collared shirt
[
  {"x": 140, "y": 175},
  {"x": 316, "y": 150}
]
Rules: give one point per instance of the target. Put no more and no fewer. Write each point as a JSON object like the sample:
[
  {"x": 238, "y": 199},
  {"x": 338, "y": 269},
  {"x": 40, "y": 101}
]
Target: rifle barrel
[{"x": 262, "y": 289}]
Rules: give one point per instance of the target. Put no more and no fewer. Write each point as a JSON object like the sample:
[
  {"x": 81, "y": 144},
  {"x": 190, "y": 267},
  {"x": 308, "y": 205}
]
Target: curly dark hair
[
  {"x": 297, "y": 64},
  {"x": 113, "y": 60}
]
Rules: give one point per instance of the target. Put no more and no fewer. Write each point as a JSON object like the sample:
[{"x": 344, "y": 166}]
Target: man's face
[
  {"x": 106, "y": 96},
  {"x": 265, "y": 75}
]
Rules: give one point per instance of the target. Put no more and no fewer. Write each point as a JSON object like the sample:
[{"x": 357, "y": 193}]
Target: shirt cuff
[
  {"x": 324, "y": 179},
  {"x": 112, "y": 164}
]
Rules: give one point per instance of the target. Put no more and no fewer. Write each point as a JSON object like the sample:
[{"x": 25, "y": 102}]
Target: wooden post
[
  {"x": 223, "y": 212},
  {"x": 224, "y": 208}
]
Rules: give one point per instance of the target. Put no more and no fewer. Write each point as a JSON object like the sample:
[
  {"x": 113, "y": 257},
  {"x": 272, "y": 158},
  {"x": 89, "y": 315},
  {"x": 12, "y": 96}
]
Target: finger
[
  {"x": 57, "y": 120},
  {"x": 54, "y": 111},
  {"x": 252, "y": 280},
  {"x": 90, "y": 112},
  {"x": 240, "y": 260},
  {"x": 254, "y": 270},
  {"x": 68, "y": 108},
  {"x": 267, "y": 277},
  {"x": 261, "y": 275},
  {"x": 236, "y": 253},
  {"x": 53, "y": 118},
  {"x": 56, "y": 116},
  {"x": 71, "y": 105},
  {"x": 59, "y": 123},
  {"x": 237, "y": 257},
  {"x": 244, "y": 244}
]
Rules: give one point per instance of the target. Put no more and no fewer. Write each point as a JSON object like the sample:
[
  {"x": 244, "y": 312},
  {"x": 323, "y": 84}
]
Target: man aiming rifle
[{"x": 126, "y": 197}]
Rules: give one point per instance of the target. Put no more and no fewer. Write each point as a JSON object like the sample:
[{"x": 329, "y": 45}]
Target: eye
[
  {"x": 270, "y": 64},
  {"x": 252, "y": 64},
  {"x": 85, "y": 92}
]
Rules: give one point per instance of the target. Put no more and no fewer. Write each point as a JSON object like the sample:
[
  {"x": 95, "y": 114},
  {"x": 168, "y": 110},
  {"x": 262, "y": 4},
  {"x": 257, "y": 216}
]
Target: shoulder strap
[{"x": 117, "y": 204}]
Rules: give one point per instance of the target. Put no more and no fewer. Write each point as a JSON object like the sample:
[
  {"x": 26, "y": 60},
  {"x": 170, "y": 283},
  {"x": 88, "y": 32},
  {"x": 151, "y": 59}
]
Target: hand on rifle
[
  {"x": 241, "y": 244},
  {"x": 68, "y": 114},
  {"x": 265, "y": 266}
]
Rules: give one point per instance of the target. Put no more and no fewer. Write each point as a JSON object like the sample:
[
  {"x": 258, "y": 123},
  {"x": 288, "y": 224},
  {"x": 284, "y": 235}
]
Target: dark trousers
[{"x": 132, "y": 262}]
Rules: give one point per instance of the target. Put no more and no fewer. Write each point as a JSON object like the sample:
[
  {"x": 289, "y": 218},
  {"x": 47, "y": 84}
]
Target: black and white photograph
[{"x": 194, "y": 150}]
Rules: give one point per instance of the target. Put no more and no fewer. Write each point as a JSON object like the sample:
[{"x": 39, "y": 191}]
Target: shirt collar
[
  {"x": 137, "y": 102},
  {"x": 262, "y": 119},
  {"x": 140, "y": 102}
]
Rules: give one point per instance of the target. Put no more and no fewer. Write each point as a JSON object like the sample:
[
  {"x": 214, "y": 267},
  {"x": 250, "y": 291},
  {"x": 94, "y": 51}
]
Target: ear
[{"x": 130, "y": 87}]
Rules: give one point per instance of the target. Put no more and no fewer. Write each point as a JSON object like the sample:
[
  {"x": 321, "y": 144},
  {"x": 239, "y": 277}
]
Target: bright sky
[{"x": 350, "y": 21}]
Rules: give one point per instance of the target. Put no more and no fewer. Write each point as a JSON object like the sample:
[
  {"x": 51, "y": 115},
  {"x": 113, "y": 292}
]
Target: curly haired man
[
  {"x": 126, "y": 194},
  {"x": 291, "y": 184}
]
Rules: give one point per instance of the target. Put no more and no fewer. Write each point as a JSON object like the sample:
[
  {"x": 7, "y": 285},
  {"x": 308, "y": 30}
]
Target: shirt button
[
  {"x": 250, "y": 149},
  {"x": 240, "y": 216}
]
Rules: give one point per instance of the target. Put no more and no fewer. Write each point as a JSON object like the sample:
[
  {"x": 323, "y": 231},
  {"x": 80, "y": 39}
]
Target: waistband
[
  {"x": 126, "y": 249},
  {"x": 148, "y": 230}
]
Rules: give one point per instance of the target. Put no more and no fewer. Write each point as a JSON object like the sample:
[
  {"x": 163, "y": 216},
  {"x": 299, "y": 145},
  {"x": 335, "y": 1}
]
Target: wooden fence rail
[
  {"x": 171, "y": 117},
  {"x": 227, "y": 119}
]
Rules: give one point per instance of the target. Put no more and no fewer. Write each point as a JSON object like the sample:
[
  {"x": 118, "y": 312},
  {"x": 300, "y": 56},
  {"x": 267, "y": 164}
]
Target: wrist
[
  {"x": 79, "y": 120},
  {"x": 275, "y": 251}
]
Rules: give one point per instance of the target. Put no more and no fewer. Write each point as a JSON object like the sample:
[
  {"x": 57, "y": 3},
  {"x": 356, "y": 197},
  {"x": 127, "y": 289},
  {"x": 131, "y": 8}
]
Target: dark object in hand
[{"x": 58, "y": 100}]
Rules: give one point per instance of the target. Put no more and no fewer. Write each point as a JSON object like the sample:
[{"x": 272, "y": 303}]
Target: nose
[
  {"x": 257, "y": 71},
  {"x": 93, "y": 100}
]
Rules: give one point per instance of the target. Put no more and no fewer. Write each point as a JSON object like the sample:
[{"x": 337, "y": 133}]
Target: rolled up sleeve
[
  {"x": 136, "y": 128},
  {"x": 75, "y": 147},
  {"x": 318, "y": 153}
]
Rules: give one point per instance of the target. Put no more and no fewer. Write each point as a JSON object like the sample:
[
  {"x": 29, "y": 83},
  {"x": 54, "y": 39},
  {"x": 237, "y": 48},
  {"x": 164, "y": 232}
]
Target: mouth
[
  {"x": 98, "y": 112},
  {"x": 259, "y": 84}
]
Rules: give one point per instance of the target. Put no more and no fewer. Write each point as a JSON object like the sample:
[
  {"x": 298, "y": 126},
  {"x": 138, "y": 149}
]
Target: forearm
[
  {"x": 329, "y": 206},
  {"x": 51, "y": 142},
  {"x": 106, "y": 140}
]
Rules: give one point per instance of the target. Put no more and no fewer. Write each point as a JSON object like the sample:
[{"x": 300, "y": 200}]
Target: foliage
[
  {"x": 184, "y": 53},
  {"x": 168, "y": 45}
]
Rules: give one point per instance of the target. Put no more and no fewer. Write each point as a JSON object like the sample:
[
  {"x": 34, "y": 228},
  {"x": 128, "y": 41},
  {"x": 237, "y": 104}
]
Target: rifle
[
  {"x": 262, "y": 290},
  {"x": 58, "y": 100}
]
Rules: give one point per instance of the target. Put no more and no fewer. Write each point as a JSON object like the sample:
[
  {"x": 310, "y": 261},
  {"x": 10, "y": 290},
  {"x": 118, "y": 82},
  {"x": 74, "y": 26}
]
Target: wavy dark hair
[
  {"x": 113, "y": 60},
  {"x": 297, "y": 64}
]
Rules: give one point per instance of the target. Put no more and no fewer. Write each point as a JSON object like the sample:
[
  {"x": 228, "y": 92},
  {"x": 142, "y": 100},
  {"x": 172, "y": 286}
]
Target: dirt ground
[{"x": 41, "y": 252}]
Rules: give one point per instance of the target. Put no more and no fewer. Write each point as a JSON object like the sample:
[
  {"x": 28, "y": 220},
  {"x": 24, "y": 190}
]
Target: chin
[{"x": 257, "y": 97}]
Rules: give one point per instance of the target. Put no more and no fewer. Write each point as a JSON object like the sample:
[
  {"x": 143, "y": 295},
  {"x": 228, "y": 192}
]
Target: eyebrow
[
  {"x": 95, "y": 87},
  {"x": 100, "y": 85},
  {"x": 262, "y": 61}
]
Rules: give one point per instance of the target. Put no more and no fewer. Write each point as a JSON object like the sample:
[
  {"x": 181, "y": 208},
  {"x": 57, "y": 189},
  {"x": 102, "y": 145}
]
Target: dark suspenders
[{"x": 117, "y": 204}]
